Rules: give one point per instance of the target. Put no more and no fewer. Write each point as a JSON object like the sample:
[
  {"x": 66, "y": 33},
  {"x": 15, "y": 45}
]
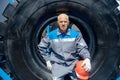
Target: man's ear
[
  {"x": 68, "y": 23},
  {"x": 57, "y": 23}
]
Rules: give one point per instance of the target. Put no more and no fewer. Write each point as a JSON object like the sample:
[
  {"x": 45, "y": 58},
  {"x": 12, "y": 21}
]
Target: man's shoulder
[
  {"x": 73, "y": 31},
  {"x": 53, "y": 32}
]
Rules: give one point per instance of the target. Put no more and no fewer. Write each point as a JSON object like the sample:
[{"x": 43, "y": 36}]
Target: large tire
[{"x": 26, "y": 22}]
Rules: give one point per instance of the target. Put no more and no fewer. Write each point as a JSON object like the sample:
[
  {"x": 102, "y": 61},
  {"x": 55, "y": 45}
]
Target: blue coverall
[{"x": 66, "y": 49}]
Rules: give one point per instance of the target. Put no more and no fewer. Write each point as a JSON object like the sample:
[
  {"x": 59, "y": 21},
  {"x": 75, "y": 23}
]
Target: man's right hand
[{"x": 49, "y": 66}]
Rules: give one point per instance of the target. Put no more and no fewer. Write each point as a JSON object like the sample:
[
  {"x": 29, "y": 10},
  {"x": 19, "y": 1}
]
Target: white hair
[{"x": 63, "y": 14}]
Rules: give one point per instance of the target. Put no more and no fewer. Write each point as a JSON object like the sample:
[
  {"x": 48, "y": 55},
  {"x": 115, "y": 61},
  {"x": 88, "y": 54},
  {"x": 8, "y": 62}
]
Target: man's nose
[{"x": 63, "y": 23}]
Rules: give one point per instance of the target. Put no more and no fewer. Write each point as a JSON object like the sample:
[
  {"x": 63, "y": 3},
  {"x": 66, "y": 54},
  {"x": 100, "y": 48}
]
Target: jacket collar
[{"x": 59, "y": 33}]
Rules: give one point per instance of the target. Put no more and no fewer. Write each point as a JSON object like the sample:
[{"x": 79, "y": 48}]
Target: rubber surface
[{"x": 26, "y": 22}]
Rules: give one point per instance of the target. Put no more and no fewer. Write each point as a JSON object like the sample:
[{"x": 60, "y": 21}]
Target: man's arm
[
  {"x": 82, "y": 49},
  {"x": 43, "y": 46}
]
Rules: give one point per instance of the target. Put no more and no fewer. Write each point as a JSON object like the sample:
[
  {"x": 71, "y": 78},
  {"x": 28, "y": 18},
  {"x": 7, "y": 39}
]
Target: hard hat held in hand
[{"x": 80, "y": 71}]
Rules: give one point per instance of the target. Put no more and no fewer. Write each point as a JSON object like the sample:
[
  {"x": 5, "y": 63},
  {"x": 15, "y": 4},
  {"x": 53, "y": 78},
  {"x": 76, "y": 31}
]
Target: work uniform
[{"x": 66, "y": 49}]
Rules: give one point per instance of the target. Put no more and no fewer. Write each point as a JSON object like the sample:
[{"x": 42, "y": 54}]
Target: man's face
[{"x": 63, "y": 22}]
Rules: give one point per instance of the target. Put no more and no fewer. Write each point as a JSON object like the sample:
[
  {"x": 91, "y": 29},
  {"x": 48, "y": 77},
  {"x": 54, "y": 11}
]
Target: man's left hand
[{"x": 87, "y": 65}]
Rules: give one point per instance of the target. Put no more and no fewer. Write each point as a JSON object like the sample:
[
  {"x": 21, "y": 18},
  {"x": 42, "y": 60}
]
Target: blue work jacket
[{"x": 64, "y": 47}]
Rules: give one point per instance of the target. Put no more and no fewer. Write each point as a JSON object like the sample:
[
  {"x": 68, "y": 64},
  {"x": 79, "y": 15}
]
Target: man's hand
[
  {"x": 49, "y": 66},
  {"x": 86, "y": 65}
]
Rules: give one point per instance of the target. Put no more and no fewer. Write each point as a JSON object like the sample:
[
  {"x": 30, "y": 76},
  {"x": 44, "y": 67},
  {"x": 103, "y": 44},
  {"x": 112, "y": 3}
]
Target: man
[{"x": 67, "y": 46}]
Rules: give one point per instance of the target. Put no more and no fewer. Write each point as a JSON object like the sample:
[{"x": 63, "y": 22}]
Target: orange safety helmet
[{"x": 80, "y": 72}]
